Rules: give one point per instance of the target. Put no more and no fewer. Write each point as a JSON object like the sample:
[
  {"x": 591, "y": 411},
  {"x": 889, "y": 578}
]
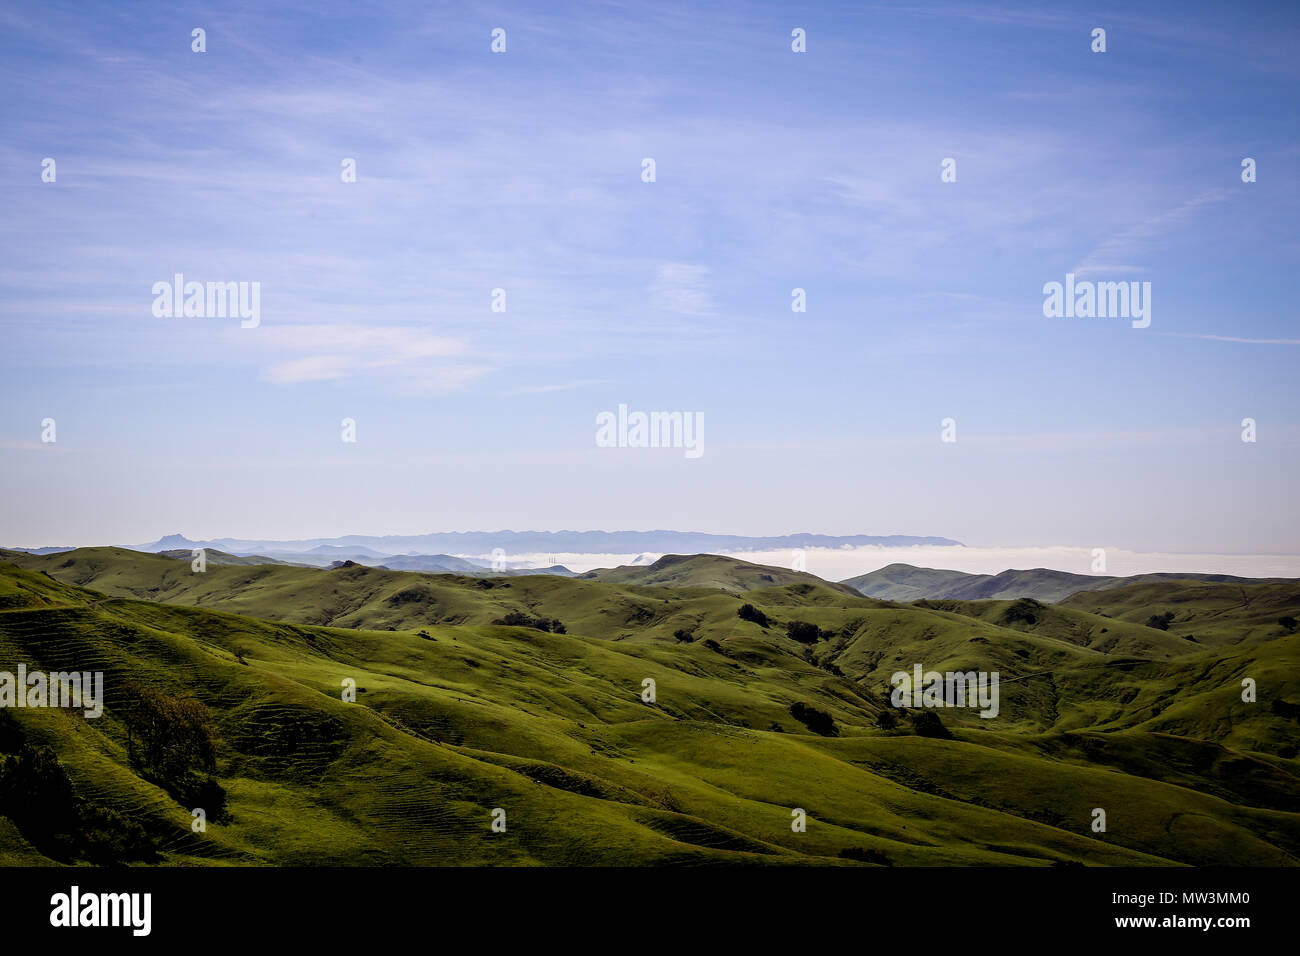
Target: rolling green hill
[
  {"x": 1210, "y": 612},
  {"x": 708, "y": 571},
  {"x": 1075, "y": 626},
  {"x": 903, "y": 582},
  {"x": 456, "y": 716},
  {"x": 360, "y": 596}
]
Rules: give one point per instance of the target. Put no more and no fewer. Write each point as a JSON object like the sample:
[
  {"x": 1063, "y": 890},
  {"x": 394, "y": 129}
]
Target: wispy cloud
[
  {"x": 681, "y": 288},
  {"x": 522, "y": 171},
  {"x": 1231, "y": 338},
  {"x": 343, "y": 351},
  {"x": 561, "y": 387},
  {"x": 50, "y": 447},
  {"x": 1128, "y": 250}
]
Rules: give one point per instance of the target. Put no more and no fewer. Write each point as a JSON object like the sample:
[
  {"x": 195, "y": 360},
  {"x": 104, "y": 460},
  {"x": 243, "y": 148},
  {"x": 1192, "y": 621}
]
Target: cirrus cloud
[{"x": 406, "y": 356}]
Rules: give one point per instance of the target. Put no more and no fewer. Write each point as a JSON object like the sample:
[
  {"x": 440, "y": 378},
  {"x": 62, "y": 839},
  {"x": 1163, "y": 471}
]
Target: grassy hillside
[
  {"x": 1211, "y": 612},
  {"x": 456, "y": 716},
  {"x": 708, "y": 571},
  {"x": 903, "y": 582},
  {"x": 1074, "y": 626}
]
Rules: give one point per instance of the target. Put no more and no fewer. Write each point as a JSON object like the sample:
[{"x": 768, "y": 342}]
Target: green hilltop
[
  {"x": 710, "y": 571},
  {"x": 904, "y": 582}
]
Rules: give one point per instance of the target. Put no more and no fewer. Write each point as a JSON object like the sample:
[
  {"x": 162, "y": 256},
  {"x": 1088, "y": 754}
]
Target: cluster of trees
[
  {"x": 519, "y": 619},
  {"x": 37, "y": 795},
  {"x": 169, "y": 739},
  {"x": 925, "y": 723},
  {"x": 802, "y": 631},
  {"x": 806, "y": 633}
]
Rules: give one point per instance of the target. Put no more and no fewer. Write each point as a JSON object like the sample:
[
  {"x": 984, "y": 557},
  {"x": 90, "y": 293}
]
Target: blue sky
[{"x": 775, "y": 170}]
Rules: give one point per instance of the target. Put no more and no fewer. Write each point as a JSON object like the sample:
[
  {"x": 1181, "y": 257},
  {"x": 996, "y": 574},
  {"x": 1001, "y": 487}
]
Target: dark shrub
[
  {"x": 818, "y": 721},
  {"x": 109, "y": 836},
  {"x": 747, "y": 612},
  {"x": 802, "y": 631},
  {"x": 865, "y": 856},
  {"x": 926, "y": 723},
  {"x": 520, "y": 619},
  {"x": 1022, "y": 611},
  {"x": 1283, "y": 709}
]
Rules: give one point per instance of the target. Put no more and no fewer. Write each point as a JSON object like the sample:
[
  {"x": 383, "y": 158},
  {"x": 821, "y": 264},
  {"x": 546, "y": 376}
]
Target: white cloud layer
[{"x": 837, "y": 564}]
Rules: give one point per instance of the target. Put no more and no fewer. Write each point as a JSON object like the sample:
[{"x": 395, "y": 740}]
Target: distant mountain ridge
[
  {"x": 331, "y": 558},
  {"x": 547, "y": 542},
  {"x": 213, "y": 556}
]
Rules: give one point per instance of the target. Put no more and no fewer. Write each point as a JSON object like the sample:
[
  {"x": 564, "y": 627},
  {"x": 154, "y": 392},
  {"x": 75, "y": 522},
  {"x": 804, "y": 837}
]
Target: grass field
[{"x": 457, "y": 716}]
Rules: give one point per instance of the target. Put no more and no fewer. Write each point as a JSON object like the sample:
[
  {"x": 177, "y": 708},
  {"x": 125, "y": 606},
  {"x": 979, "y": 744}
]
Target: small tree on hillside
[
  {"x": 167, "y": 734},
  {"x": 170, "y": 739}
]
